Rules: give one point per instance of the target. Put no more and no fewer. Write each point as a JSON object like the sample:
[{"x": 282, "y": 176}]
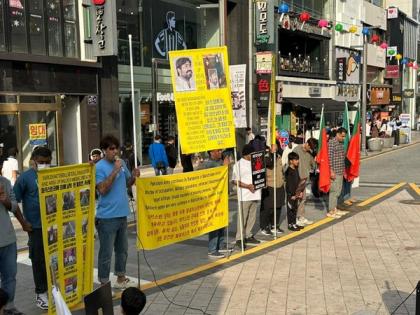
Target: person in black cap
[{"x": 249, "y": 197}]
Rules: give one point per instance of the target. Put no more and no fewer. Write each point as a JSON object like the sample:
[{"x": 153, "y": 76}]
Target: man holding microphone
[{"x": 112, "y": 180}]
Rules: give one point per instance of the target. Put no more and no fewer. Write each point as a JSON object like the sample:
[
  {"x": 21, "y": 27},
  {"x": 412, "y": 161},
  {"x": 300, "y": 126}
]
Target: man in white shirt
[
  {"x": 10, "y": 168},
  {"x": 249, "y": 197}
]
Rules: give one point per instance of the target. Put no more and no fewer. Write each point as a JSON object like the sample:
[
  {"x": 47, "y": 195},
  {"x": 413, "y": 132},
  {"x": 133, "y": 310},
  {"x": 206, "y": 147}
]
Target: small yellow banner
[
  {"x": 37, "y": 131},
  {"x": 67, "y": 203},
  {"x": 178, "y": 207},
  {"x": 201, "y": 84}
]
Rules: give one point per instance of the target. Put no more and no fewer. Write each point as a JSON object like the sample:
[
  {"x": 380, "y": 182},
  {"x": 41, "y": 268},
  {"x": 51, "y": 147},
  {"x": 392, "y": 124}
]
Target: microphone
[{"x": 117, "y": 158}]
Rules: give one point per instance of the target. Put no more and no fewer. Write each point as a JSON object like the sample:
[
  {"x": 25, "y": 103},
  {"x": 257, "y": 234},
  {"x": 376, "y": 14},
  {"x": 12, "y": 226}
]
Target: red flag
[
  {"x": 323, "y": 159},
  {"x": 353, "y": 152}
]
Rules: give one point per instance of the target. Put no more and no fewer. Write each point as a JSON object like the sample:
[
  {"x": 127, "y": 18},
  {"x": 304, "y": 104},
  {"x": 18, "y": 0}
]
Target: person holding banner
[
  {"x": 8, "y": 250},
  {"x": 112, "y": 180},
  {"x": 216, "y": 238},
  {"x": 26, "y": 191},
  {"x": 248, "y": 196}
]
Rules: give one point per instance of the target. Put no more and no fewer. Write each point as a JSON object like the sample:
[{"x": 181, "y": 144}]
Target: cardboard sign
[{"x": 258, "y": 169}]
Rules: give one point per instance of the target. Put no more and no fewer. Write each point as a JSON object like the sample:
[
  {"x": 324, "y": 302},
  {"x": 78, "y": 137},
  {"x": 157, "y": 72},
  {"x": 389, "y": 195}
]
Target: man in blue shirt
[
  {"x": 26, "y": 191},
  {"x": 112, "y": 180},
  {"x": 158, "y": 157}
]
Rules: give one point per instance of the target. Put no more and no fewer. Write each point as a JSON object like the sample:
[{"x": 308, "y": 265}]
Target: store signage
[
  {"x": 391, "y": 51},
  {"x": 349, "y": 92},
  {"x": 165, "y": 97},
  {"x": 315, "y": 91},
  {"x": 279, "y": 93},
  {"x": 392, "y": 72},
  {"x": 341, "y": 69},
  {"x": 105, "y": 28},
  {"x": 408, "y": 93},
  {"x": 347, "y": 66},
  {"x": 380, "y": 95},
  {"x": 396, "y": 98},
  {"x": 264, "y": 62},
  {"x": 264, "y": 22},
  {"x": 295, "y": 25},
  {"x": 392, "y": 13}
]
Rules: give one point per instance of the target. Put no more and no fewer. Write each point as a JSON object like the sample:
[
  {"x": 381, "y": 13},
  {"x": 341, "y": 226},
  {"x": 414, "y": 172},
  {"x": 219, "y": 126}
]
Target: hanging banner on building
[
  {"x": 264, "y": 22},
  {"x": 179, "y": 207},
  {"x": 392, "y": 71},
  {"x": 67, "y": 203},
  {"x": 104, "y": 28},
  {"x": 392, "y": 13},
  {"x": 200, "y": 80},
  {"x": 258, "y": 169},
  {"x": 263, "y": 63},
  {"x": 237, "y": 83},
  {"x": 38, "y": 134}
]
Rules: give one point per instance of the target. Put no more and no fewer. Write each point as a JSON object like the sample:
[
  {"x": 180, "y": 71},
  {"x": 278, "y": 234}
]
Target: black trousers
[
  {"x": 36, "y": 254},
  {"x": 292, "y": 206},
  {"x": 396, "y": 135},
  {"x": 267, "y": 206}
]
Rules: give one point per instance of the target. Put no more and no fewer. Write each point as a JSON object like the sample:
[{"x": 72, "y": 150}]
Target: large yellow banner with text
[
  {"x": 67, "y": 203},
  {"x": 201, "y": 84},
  {"x": 178, "y": 207}
]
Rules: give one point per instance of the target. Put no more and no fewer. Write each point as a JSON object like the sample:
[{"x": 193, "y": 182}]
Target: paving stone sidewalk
[{"x": 368, "y": 262}]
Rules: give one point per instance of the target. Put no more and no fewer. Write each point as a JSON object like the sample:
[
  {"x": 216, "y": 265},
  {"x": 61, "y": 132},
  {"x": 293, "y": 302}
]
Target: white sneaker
[
  {"x": 300, "y": 223},
  {"x": 125, "y": 284},
  {"x": 42, "y": 301},
  {"x": 341, "y": 212},
  {"x": 305, "y": 221}
]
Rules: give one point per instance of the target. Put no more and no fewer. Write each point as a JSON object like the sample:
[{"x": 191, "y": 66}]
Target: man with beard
[{"x": 184, "y": 79}]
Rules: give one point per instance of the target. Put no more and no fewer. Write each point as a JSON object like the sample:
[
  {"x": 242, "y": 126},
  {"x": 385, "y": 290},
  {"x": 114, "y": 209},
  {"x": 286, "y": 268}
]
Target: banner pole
[
  {"x": 275, "y": 194},
  {"x": 240, "y": 214},
  {"x": 134, "y": 144}
]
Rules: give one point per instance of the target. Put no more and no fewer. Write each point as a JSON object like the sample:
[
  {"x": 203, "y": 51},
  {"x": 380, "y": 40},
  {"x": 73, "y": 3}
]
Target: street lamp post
[{"x": 364, "y": 95}]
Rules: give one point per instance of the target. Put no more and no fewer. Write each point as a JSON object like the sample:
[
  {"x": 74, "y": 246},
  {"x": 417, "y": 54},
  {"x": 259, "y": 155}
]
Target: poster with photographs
[
  {"x": 237, "y": 86},
  {"x": 67, "y": 204},
  {"x": 203, "y": 99}
]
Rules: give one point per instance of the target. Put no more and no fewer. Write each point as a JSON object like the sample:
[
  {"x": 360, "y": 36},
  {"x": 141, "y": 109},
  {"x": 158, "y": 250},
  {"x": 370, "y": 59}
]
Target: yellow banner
[
  {"x": 182, "y": 206},
  {"x": 67, "y": 203},
  {"x": 201, "y": 84}
]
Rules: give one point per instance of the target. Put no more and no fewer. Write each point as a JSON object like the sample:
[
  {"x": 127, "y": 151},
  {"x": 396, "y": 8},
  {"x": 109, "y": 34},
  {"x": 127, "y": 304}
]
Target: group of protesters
[{"x": 288, "y": 173}]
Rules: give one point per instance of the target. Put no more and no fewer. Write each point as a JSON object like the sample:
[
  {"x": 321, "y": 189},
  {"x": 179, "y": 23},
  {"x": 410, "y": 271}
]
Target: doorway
[{"x": 27, "y": 125}]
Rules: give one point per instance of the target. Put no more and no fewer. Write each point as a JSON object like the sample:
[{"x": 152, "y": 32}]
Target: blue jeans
[
  {"x": 112, "y": 236},
  {"x": 216, "y": 239},
  {"x": 8, "y": 270}
]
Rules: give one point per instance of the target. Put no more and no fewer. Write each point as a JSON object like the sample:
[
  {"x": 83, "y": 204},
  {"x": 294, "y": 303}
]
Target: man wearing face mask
[{"x": 26, "y": 192}]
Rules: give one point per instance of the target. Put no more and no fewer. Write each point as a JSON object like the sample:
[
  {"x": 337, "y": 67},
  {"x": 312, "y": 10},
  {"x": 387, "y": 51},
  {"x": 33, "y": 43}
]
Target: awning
[{"x": 315, "y": 104}]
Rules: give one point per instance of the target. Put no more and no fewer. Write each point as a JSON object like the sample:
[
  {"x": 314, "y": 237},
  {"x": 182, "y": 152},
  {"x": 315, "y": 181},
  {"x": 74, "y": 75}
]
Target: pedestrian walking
[
  {"x": 112, "y": 180},
  {"x": 306, "y": 165},
  {"x": 157, "y": 155},
  {"x": 172, "y": 154},
  {"x": 216, "y": 245},
  {"x": 337, "y": 157},
  {"x": 8, "y": 248},
  {"x": 267, "y": 198},
  {"x": 10, "y": 168},
  {"x": 249, "y": 197},
  {"x": 26, "y": 192},
  {"x": 294, "y": 194}
]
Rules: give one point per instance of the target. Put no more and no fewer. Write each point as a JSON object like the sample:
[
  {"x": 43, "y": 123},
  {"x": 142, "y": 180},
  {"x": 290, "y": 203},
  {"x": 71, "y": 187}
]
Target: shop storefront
[{"x": 157, "y": 27}]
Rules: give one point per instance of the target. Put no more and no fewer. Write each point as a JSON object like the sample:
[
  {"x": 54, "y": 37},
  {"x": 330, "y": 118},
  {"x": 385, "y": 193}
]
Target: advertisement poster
[
  {"x": 38, "y": 134},
  {"x": 200, "y": 80},
  {"x": 179, "y": 207},
  {"x": 237, "y": 84},
  {"x": 67, "y": 203},
  {"x": 284, "y": 139},
  {"x": 258, "y": 169}
]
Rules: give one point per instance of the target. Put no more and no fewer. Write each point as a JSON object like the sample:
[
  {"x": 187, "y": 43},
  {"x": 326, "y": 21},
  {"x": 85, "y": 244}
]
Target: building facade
[{"x": 48, "y": 81}]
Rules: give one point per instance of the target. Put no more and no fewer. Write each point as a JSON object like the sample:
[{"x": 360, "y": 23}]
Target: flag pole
[
  {"x": 130, "y": 42},
  {"x": 240, "y": 214}
]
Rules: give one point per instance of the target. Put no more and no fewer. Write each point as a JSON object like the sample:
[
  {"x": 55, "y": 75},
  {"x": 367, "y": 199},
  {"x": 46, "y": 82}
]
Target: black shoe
[
  {"x": 279, "y": 231},
  {"x": 252, "y": 240},
  {"x": 239, "y": 244},
  {"x": 294, "y": 227},
  {"x": 266, "y": 231}
]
